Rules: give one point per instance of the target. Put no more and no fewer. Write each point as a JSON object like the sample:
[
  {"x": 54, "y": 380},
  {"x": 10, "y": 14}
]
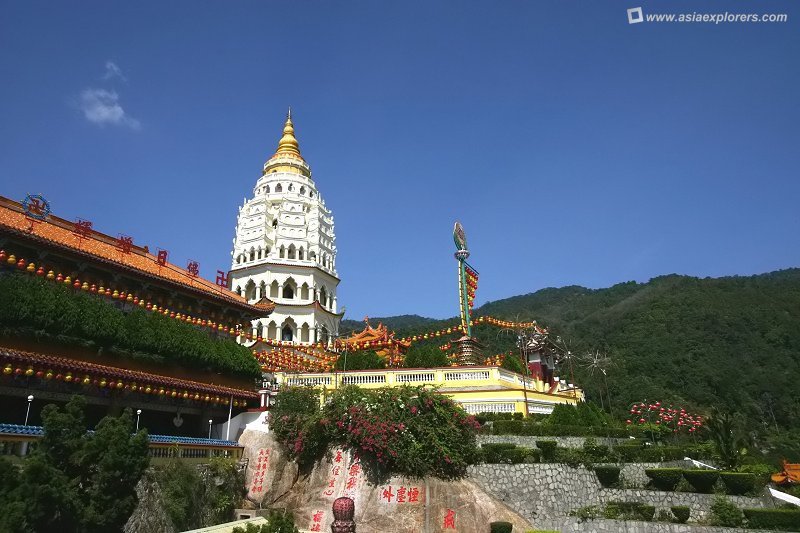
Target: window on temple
[
  {"x": 272, "y": 331},
  {"x": 260, "y": 330},
  {"x": 267, "y": 189},
  {"x": 252, "y": 254},
  {"x": 273, "y": 289},
  {"x": 300, "y": 253},
  {"x": 278, "y": 188},
  {"x": 302, "y": 190},
  {"x": 263, "y": 291},
  {"x": 291, "y": 251},
  {"x": 283, "y": 252},
  {"x": 288, "y": 289},
  {"x": 304, "y": 333},
  {"x": 304, "y": 292},
  {"x": 323, "y": 296},
  {"x": 286, "y": 333},
  {"x": 250, "y": 291}
]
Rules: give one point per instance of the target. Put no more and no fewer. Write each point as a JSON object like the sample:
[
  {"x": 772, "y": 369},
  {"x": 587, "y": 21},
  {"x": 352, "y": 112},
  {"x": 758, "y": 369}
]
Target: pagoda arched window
[
  {"x": 278, "y": 188},
  {"x": 272, "y": 331},
  {"x": 291, "y": 187},
  {"x": 286, "y": 333},
  {"x": 289, "y": 289},
  {"x": 304, "y": 292},
  {"x": 292, "y": 251},
  {"x": 250, "y": 291},
  {"x": 323, "y": 335},
  {"x": 305, "y": 333},
  {"x": 259, "y": 252},
  {"x": 312, "y": 256},
  {"x": 302, "y": 190},
  {"x": 283, "y": 252},
  {"x": 323, "y": 296},
  {"x": 300, "y": 253},
  {"x": 260, "y": 330},
  {"x": 262, "y": 289},
  {"x": 252, "y": 254},
  {"x": 273, "y": 289},
  {"x": 266, "y": 189}
]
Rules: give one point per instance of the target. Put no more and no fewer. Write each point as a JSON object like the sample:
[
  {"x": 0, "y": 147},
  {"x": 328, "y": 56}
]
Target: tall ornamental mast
[{"x": 469, "y": 349}]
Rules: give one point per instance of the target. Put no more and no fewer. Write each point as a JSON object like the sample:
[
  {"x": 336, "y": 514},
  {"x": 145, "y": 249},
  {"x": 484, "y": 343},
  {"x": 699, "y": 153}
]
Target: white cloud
[
  {"x": 113, "y": 71},
  {"x": 102, "y": 107}
]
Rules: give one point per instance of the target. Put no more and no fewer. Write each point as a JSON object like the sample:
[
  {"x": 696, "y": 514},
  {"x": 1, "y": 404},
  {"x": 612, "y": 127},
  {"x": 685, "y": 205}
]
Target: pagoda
[{"x": 285, "y": 250}]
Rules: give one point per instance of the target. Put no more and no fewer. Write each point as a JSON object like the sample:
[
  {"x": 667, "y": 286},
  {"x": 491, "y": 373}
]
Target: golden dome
[{"x": 288, "y": 143}]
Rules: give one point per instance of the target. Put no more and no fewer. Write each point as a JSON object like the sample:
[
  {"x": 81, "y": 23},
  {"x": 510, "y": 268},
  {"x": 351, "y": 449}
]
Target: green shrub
[
  {"x": 571, "y": 456},
  {"x": 493, "y": 451},
  {"x": 778, "y": 519},
  {"x": 501, "y": 527},
  {"x": 681, "y": 513},
  {"x": 596, "y": 452},
  {"x": 608, "y": 476},
  {"x": 738, "y": 483},
  {"x": 45, "y": 310},
  {"x": 664, "y": 478},
  {"x": 725, "y": 513},
  {"x": 701, "y": 480},
  {"x": 646, "y": 512},
  {"x": 548, "y": 448},
  {"x": 762, "y": 472}
]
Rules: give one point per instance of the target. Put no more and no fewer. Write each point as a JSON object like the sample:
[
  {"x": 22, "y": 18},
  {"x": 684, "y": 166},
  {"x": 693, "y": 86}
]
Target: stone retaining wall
[
  {"x": 549, "y": 491},
  {"x": 564, "y": 442},
  {"x": 572, "y": 525}
]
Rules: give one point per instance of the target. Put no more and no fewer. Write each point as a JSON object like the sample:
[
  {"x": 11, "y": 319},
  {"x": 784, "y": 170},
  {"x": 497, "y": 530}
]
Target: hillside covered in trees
[{"x": 732, "y": 342}]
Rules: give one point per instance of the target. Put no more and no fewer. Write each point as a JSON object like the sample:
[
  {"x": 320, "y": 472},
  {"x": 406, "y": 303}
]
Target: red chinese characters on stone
[
  {"x": 316, "y": 521},
  {"x": 403, "y": 494},
  {"x": 449, "y": 520},
  {"x": 257, "y": 485}
]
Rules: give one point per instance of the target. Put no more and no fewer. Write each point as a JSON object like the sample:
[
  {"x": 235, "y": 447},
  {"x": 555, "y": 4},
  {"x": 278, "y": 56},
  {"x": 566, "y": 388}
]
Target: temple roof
[
  {"x": 103, "y": 248},
  {"x": 381, "y": 334},
  {"x": 55, "y": 362}
]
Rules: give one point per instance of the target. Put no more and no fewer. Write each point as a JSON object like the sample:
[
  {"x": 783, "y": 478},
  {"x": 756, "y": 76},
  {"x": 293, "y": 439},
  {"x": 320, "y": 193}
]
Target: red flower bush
[{"x": 412, "y": 432}]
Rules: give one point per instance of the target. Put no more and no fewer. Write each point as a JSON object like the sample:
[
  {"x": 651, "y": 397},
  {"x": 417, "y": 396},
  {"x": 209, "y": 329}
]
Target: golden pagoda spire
[{"x": 288, "y": 143}]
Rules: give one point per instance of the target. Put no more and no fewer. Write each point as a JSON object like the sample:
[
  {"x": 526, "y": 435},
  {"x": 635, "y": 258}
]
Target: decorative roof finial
[{"x": 288, "y": 143}]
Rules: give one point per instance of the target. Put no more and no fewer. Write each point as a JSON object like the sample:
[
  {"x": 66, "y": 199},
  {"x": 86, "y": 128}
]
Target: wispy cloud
[
  {"x": 102, "y": 107},
  {"x": 113, "y": 71}
]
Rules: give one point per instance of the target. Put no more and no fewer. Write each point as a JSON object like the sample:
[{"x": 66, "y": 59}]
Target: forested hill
[{"x": 732, "y": 341}]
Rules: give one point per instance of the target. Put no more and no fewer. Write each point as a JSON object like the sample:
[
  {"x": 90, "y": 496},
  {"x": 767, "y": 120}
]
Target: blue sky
[{"x": 574, "y": 147}]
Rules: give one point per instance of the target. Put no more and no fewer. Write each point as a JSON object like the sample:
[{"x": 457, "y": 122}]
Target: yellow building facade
[{"x": 479, "y": 389}]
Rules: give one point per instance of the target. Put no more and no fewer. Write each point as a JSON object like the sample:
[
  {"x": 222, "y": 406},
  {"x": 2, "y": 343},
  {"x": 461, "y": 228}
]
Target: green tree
[
  {"x": 78, "y": 481},
  {"x": 425, "y": 355},
  {"x": 362, "y": 360},
  {"x": 728, "y": 436}
]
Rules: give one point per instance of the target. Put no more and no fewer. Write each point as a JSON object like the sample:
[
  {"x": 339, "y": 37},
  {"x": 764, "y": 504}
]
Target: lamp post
[
  {"x": 138, "y": 414},
  {"x": 210, "y": 421},
  {"x": 28, "y": 412}
]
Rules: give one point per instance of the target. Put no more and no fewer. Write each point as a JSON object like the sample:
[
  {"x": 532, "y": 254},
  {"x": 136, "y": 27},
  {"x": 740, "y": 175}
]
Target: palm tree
[{"x": 728, "y": 437}]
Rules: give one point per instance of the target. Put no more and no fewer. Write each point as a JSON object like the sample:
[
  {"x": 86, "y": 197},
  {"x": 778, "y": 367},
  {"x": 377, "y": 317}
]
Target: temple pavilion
[{"x": 83, "y": 312}]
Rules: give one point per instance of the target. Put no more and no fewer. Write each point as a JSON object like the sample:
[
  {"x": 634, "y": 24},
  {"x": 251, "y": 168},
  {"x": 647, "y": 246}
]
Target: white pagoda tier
[{"x": 285, "y": 250}]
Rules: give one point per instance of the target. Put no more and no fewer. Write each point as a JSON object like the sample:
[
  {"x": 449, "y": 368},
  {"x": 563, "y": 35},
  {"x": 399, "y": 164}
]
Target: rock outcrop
[{"x": 401, "y": 505}]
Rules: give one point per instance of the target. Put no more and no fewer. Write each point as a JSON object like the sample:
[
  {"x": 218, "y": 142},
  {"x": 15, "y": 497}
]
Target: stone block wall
[
  {"x": 572, "y": 525},
  {"x": 550, "y": 491},
  {"x": 563, "y": 442}
]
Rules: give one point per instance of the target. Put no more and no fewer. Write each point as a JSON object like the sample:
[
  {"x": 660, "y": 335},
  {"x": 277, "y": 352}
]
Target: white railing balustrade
[
  {"x": 467, "y": 376},
  {"x": 427, "y": 377}
]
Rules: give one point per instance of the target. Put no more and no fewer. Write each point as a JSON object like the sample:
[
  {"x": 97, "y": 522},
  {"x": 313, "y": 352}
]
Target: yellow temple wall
[{"x": 477, "y": 388}]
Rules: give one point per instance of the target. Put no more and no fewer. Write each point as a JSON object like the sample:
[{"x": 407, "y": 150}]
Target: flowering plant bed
[{"x": 405, "y": 431}]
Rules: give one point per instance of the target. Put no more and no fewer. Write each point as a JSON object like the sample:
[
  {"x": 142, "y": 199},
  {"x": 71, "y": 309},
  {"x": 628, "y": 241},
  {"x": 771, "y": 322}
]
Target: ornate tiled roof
[
  {"x": 38, "y": 431},
  {"x": 56, "y": 363},
  {"x": 103, "y": 248}
]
